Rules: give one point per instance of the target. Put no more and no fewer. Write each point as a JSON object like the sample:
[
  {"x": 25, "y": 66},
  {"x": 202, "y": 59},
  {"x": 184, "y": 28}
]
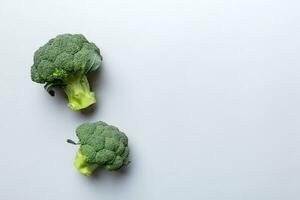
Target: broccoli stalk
[
  {"x": 82, "y": 165},
  {"x": 78, "y": 91}
]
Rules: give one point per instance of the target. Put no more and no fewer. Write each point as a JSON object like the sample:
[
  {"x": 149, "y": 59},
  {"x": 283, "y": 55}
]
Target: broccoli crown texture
[
  {"x": 63, "y": 56},
  {"x": 100, "y": 145}
]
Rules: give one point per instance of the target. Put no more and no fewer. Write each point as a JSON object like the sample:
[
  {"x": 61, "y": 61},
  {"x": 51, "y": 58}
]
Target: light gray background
[{"x": 207, "y": 91}]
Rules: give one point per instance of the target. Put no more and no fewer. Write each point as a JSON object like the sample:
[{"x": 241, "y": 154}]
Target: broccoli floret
[
  {"x": 100, "y": 145},
  {"x": 64, "y": 62}
]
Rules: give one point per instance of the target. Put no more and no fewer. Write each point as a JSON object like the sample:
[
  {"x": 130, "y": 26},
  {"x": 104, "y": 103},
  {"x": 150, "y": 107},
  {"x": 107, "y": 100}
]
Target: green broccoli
[
  {"x": 64, "y": 62},
  {"x": 100, "y": 145}
]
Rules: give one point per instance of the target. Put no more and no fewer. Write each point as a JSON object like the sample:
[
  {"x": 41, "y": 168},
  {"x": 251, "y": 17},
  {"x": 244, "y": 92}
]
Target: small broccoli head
[
  {"x": 64, "y": 62},
  {"x": 100, "y": 145}
]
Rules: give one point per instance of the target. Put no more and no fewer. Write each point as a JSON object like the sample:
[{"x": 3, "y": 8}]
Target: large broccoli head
[
  {"x": 64, "y": 62},
  {"x": 100, "y": 145}
]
